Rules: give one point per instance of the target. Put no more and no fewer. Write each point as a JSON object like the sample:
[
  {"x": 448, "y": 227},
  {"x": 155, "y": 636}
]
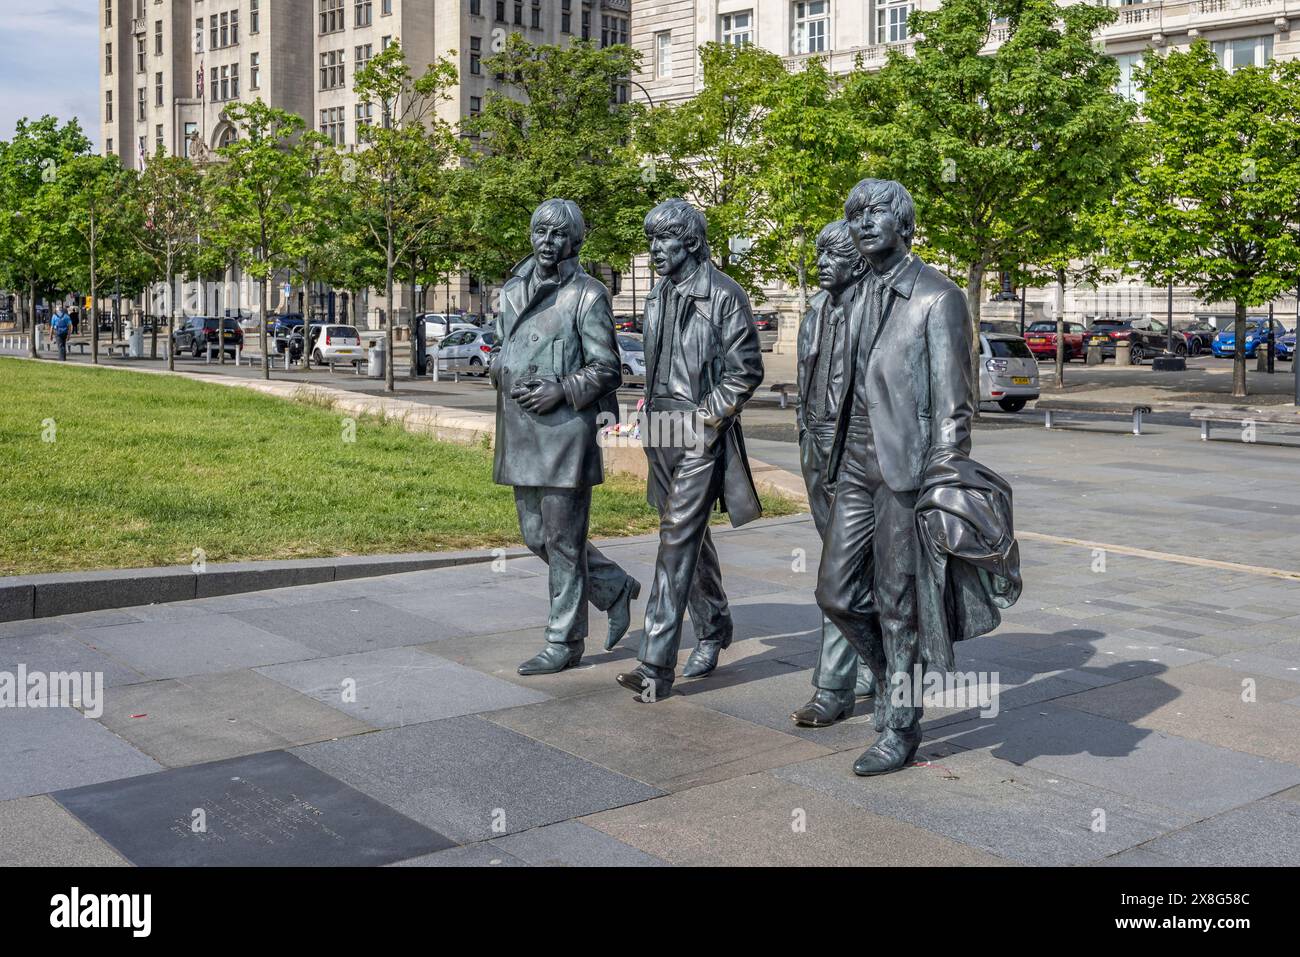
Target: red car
[{"x": 1041, "y": 339}]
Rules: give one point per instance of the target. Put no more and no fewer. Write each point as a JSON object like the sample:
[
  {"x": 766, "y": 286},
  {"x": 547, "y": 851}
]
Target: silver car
[
  {"x": 467, "y": 347},
  {"x": 631, "y": 353},
  {"x": 1008, "y": 371}
]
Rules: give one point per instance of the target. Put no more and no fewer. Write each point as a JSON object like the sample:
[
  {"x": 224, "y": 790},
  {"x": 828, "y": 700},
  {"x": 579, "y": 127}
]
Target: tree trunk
[
  {"x": 1060, "y": 329},
  {"x": 171, "y": 319},
  {"x": 1239, "y": 350},
  {"x": 388, "y": 320},
  {"x": 803, "y": 277},
  {"x": 306, "y": 314},
  {"x": 261, "y": 331},
  {"x": 974, "y": 288},
  {"x": 410, "y": 330},
  {"x": 31, "y": 305}
]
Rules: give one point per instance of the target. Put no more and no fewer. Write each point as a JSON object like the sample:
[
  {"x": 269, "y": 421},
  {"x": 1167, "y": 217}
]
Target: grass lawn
[{"x": 143, "y": 469}]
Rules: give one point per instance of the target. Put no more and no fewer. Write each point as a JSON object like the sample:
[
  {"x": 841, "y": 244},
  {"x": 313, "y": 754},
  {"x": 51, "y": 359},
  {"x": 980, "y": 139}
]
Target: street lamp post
[{"x": 632, "y": 265}]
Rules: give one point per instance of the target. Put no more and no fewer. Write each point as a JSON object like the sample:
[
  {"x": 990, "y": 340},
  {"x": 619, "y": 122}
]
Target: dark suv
[
  {"x": 198, "y": 331},
  {"x": 1146, "y": 337}
]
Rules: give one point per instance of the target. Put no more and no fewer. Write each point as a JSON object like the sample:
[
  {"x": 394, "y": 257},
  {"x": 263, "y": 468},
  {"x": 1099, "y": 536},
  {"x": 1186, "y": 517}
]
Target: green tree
[
  {"x": 258, "y": 196},
  {"x": 811, "y": 143},
  {"x": 35, "y": 247},
  {"x": 166, "y": 203},
  {"x": 1216, "y": 201},
  {"x": 558, "y": 130},
  {"x": 394, "y": 179},
  {"x": 712, "y": 145},
  {"x": 998, "y": 149}
]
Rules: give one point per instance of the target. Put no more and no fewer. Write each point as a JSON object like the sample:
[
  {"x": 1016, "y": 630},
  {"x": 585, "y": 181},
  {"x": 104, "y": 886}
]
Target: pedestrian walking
[{"x": 60, "y": 326}]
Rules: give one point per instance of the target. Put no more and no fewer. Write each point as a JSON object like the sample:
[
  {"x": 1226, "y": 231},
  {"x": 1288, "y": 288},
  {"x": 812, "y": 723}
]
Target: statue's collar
[{"x": 566, "y": 269}]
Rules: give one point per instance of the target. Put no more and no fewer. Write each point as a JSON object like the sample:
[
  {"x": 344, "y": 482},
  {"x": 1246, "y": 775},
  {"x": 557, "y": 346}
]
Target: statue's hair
[
  {"x": 894, "y": 194},
  {"x": 836, "y": 237},
  {"x": 561, "y": 212},
  {"x": 676, "y": 217}
]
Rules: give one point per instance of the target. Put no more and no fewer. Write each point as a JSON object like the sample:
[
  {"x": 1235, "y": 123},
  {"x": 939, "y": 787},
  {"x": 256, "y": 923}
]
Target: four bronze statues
[{"x": 918, "y": 548}]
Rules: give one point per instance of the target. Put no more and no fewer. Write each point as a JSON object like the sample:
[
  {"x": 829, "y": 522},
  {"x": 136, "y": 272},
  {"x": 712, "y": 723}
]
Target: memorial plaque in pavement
[{"x": 265, "y": 809}]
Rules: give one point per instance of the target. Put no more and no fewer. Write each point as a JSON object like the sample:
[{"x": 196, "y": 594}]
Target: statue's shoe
[
  {"x": 620, "y": 613},
  {"x": 705, "y": 657},
  {"x": 893, "y": 751},
  {"x": 556, "y": 656},
  {"x": 866, "y": 685},
  {"x": 646, "y": 686},
  {"x": 826, "y": 707}
]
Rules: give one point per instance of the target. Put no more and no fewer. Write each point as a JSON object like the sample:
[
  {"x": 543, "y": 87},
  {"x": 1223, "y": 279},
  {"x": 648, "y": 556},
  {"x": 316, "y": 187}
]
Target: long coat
[
  {"x": 726, "y": 366},
  {"x": 917, "y": 368},
  {"x": 565, "y": 333}
]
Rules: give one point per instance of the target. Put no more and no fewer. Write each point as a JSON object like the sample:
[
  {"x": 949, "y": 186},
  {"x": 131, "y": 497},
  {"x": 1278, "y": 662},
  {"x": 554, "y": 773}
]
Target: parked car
[
  {"x": 1284, "y": 348},
  {"x": 196, "y": 332},
  {"x": 1041, "y": 339},
  {"x": 1004, "y": 327},
  {"x": 627, "y": 324},
  {"x": 1008, "y": 371},
  {"x": 1224, "y": 345},
  {"x": 439, "y": 325},
  {"x": 1146, "y": 337},
  {"x": 331, "y": 342},
  {"x": 1199, "y": 334},
  {"x": 285, "y": 324},
  {"x": 767, "y": 321},
  {"x": 631, "y": 353},
  {"x": 472, "y": 347}
]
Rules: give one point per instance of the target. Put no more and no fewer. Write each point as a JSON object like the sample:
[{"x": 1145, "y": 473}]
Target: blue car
[
  {"x": 1284, "y": 348},
  {"x": 1225, "y": 342}
]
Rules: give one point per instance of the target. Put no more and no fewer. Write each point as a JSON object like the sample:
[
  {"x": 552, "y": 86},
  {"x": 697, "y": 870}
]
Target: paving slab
[
  {"x": 1263, "y": 834},
  {"x": 475, "y": 610},
  {"x": 342, "y": 626},
  {"x": 573, "y": 844},
  {"x": 670, "y": 744},
  {"x": 474, "y": 780},
  {"x": 482, "y": 854},
  {"x": 1019, "y": 813},
  {"x": 44, "y": 749},
  {"x": 60, "y": 651},
  {"x": 392, "y": 687},
  {"x": 758, "y": 820},
  {"x": 212, "y": 643},
  {"x": 1154, "y": 767},
  {"x": 37, "y": 832},
  {"x": 202, "y": 718},
  {"x": 269, "y": 809}
]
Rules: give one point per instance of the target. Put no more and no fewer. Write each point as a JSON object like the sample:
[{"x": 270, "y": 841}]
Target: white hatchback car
[
  {"x": 334, "y": 343},
  {"x": 1008, "y": 371},
  {"x": 631, "y": 352},
  {"x": 437, "y": 326}
]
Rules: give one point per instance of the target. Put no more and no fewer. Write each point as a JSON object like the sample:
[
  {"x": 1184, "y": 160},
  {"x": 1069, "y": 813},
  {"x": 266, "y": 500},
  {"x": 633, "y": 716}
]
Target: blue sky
[{"x": 49, "y": 62}]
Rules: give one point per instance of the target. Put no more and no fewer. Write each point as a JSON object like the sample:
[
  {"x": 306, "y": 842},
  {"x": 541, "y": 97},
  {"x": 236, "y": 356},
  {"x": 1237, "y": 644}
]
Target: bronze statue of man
[
  {"x": 926, "y": 529},
  {"x": 703, "y": 362},
  {"x": 837, "y": 679},
  {"x": 557, "y": 364}
]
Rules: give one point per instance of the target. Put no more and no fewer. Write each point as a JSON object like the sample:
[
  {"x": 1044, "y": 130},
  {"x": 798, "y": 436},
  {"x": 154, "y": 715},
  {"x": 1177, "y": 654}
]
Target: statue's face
[
  {"x": 669, "y": 253},
  {"x": 551, "y": 243},
  {"x": 875, "y": 229},
  {"x": 836, "y": 271}
]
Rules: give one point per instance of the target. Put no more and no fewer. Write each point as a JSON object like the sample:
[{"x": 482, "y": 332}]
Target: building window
[
  {"x": 234, "y": 81},
  {"x": 255, "y": 71},
  {"x": 157, "y": 38},
  {"x": 737, "y": 28},
  {"x": 519, "y": 14},
  {"x": 157, "y": 89},
  {"x": 331, "y": 16},
  {"x": 331, "y": 69},
  {"x": 566, "y": 16},
  {"x": 612, "y": 30},
  {"x": 811, "y": 22},
  {"x": 332, "y": 124},
  {"x": 475, "y": 105},
  {"x": 108, "y": 106},
  {"x": 158, "y": 135},
  {"x": 225, "y": 29},
  {"x": 234, "y": 27},
  {"x": 254, "y": 17},
  {"x": 143, "y": 152},
  {"x": 363, "y": 10},
  {"x": 362, "y": 55},
  {"x": 190, "y": 130},
  {"x": 139, "y": 55},
  {"x": 108, "y": 146},
  {"x": 385, "y": 43},
  {"x": 501, "y": 11},
  {"x": 476, "y": 8},
  {"x": 198, "y": 35},
  {"x": 475, "y": 56},
  {"x": 891, "y": 20},
  {"x": 108, "y": 18},
  {"x": 664, "y": 55},
  {"x": 215, "y": 89},
  {"x": 108, "y": 59},
  {"x": 386, "y": 8},
  {"x": 364, "y": 113},
  {"x": 586, "y": 24},
  {"x": 1247, "y": 51},
  {"x": 1127, "y": 86},
  {"x": 212, "y": 32},
  {"x": 139, "y": 103}
]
